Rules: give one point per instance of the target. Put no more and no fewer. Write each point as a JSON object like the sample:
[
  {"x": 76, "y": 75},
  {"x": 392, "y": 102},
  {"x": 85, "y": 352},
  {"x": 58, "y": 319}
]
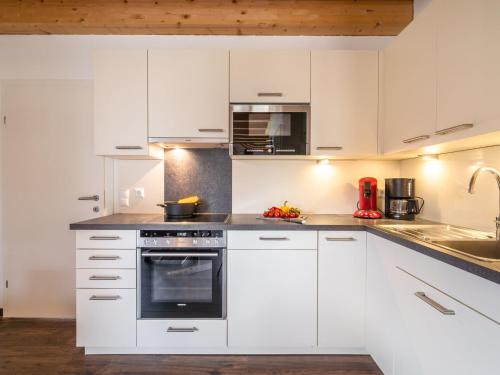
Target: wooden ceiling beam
[{"x": 206, "y": 17}]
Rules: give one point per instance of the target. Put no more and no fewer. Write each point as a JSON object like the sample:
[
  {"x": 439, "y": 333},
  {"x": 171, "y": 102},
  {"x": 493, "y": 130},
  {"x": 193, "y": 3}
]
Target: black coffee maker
[{"x": 400, "y": 200}]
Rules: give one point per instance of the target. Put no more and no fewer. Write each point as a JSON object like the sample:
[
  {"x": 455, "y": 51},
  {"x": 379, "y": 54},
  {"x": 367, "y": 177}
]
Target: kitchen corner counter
[{"x": 486, "y": 270}]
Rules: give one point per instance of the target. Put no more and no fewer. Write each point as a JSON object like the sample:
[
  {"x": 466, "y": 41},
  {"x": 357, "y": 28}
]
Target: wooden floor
[{"x": 40, "y": 346}]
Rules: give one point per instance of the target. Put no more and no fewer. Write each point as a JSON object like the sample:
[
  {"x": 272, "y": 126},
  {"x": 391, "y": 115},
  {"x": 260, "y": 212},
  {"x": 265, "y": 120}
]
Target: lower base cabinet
[
  {"x": 272, "y": 298},
  {"x": 182, "y": 333},
  {"x": 106, "y": 317}
]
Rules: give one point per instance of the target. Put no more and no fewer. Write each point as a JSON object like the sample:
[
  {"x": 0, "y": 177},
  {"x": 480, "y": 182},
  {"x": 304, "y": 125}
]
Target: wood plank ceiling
[{"x": 205, "y": 17}]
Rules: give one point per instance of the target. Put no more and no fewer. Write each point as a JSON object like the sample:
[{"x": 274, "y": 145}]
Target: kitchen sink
[{"x": 487, "y": 250}]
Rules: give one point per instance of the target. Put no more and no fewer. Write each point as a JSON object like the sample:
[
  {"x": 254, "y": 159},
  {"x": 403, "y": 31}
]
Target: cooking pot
[{"x": 179, "y": 210}]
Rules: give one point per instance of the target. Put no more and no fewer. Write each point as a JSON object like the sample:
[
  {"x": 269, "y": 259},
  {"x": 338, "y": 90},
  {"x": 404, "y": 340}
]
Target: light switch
[{"x": 124, "y": 198}]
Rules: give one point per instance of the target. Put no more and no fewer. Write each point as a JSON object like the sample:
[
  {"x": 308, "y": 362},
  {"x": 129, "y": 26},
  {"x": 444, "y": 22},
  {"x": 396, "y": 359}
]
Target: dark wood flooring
[{"x": 41, "y": 346}]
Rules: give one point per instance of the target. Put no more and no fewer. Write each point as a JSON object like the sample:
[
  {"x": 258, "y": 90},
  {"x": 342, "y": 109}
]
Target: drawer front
[
  {"x": 341, "y": 239},
  {"x": 106, "y": 318},
  {"x": 272, "y": 240},
  {"x": 182, "y": 333},
  {"x": 105, "y": 278},
  {"x": 106, "y": 239},
  {"x": 106, "y": 259}
]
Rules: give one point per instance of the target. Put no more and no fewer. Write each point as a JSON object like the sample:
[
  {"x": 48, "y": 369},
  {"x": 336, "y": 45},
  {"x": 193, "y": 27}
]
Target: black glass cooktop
[{"x": 199, "y": 218}]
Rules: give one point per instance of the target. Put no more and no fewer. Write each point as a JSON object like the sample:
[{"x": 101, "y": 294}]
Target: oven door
[
  {"x": 187, "y": 283},
  {"x": 270, "y": 129}
]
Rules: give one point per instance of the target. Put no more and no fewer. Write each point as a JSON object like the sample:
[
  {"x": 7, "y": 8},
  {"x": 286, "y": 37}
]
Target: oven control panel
[{"x": 182, "y": 239}]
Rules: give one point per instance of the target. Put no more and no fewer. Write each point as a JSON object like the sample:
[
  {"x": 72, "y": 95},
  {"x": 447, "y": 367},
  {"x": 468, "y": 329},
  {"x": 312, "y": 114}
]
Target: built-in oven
[
  {"x": 270, "y": 129},
  {"x": 181, "y": 274}
]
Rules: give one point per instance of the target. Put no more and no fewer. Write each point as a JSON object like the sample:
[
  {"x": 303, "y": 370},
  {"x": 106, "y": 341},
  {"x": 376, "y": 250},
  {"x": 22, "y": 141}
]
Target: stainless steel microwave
[{"x": 270, "y": 129}]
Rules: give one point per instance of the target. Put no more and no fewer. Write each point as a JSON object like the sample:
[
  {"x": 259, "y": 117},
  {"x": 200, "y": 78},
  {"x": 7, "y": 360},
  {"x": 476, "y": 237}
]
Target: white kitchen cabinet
[
  {"x": 189, "y": 95},
  {"x": 120, "y": 104},
  {"x": 341, "y": 289},
  {"x": 272, "y": 299},
  {"x": 464, "y": 342},
  {"x": 409, "y": 85},
  {"x": 270, "y": 76},
  {"x": 381, "y": 310},
  {"x": 105, "y": 278},
  {"x": 105, "y": 258},
  {"x": 106, "y": 239},
  {"x": 344, "y": 103},
  {"x": 106, "y": 318},
  {"x": 272, "y": 239},
  {"x": 468, "y": 73}
]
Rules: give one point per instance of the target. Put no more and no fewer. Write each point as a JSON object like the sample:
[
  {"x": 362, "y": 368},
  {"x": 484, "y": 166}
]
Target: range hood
[{"x": 166, "y": 142}]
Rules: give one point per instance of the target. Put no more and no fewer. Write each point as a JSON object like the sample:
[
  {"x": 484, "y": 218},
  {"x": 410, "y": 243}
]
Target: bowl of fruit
[{"x": 282, "y": 212}]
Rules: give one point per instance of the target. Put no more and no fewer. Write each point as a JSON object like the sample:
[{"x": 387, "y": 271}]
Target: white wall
[
  {"x": 2, "y": 283},
  {"x": 444, "y": 183},
  {"x": 320, "y": 189}
]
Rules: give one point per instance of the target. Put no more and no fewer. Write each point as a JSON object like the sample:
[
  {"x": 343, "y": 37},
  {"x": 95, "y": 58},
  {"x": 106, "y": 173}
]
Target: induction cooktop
[{"x": 199, "y": 218}]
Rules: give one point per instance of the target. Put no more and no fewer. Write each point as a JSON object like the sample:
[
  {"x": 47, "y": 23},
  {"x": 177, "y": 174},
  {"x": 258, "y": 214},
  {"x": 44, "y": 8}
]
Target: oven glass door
[
  {"x": 182, "y": 283},
  {"x": 270, "y": 130}
]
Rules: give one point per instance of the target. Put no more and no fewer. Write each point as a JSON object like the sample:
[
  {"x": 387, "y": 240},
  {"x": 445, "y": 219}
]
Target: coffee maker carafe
[{"x": 400, "y": 200}]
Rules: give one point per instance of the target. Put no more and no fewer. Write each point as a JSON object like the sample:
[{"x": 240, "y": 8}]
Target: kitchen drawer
[
  {"x": 182, "y": 333},
  {"x": 106, "y": 318},
  {"x": 106, "y": 258},
  {"x": 105, "y": 278},
  {"x": 474, "y": 291},
  {"x": 106, "y": 239},
  {"x": 272, "y": 240},
  {"x": 336, "y": 239}
]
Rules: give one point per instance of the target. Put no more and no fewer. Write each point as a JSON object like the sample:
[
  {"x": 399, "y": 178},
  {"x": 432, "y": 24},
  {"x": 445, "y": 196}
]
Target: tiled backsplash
[{"x": 203, "y": 172}]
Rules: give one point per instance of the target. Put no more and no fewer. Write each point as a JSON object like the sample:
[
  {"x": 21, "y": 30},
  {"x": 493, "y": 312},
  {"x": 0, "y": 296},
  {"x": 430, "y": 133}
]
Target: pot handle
[{"x": 162, "y": 205}]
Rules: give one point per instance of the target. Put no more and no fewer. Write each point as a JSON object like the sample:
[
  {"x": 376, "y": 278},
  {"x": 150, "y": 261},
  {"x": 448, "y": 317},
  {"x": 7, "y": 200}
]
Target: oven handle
[{"x": 180, "y": 255}]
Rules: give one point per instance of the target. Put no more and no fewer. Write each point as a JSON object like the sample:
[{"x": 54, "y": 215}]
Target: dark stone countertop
[{"x": 486, "y": 270}]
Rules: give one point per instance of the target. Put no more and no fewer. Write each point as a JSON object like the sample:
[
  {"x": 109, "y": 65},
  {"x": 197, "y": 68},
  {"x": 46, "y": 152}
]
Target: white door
[
  {"x": 48, "y": 163},
  {"x": 341, "y": 289},
  {"x": 344, "y": 103},
  {"x": 188, "y": 94},
  {"x": 270, "y": 76},
  {"x": 409, "y": 85},
  {"x": 272, "y": 298}
]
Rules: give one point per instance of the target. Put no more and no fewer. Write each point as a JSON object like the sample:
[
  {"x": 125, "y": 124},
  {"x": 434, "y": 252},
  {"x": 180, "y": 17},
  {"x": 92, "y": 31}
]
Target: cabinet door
[
  {"x": 270, "y": 76},
  {"x": 106, "y": 317},
  {"x": 409, "y": 85},
  {"x": 120, "y": 102},
  {"x": 189, "y": 94},
  {"x": 464, "y": 342},
  {"x": 468, "y": 58},
  {"x": 272, "y": 298},
  {"x": 344, "y": 103},
  {"x": 341, "y": 289}
]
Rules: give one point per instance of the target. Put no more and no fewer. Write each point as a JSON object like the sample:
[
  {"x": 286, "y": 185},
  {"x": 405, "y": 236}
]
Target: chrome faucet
[{"x": 472, "y": 184}]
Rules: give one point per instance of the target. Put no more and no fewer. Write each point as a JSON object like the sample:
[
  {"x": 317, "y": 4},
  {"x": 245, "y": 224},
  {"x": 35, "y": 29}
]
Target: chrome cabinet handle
[
  {"x": 273, "y": 238},
  {"x": 104, "y": 238},
  {"x": 206, "y": 130},
  {"x": 182, "y": 330},
  {"x": 454, "y": 129},
  {"x": 337, "y": 148},
  {"x": 416, "y": 139},
  {"x": 104, "y": 298},
  {"x": 128, "y": 147},
  {"x": 286, "y": 150},
  {"x": 180, "y": 255},
  {"x": 340, "y": 239},
  {"x": 270, "y": 94},
  {"x": 89, "y": 198},
  {"x": 104, "y": 257},
  {"x": 443, "y": 310},
  {"x": 104, "y": 278}
]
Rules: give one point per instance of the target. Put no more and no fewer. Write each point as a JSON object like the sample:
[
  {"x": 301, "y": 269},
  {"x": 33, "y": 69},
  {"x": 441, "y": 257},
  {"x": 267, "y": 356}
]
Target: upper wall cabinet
[
  {"x": 468, "y": 68},
  {"x": 409, "y": 85},
  {"x": 441, "y": 76},
  {"x": 344, "y": 103},
  {"x": 189, "y": 94},
  {"x": 270, "y": 76},
  {"x": 120, "y": 104}
]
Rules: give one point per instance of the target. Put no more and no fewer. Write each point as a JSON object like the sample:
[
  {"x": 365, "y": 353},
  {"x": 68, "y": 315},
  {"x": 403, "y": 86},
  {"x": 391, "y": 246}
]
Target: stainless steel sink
[
  {"x": 469, "y": 242},
  {"x": 488, "y": 251}
]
